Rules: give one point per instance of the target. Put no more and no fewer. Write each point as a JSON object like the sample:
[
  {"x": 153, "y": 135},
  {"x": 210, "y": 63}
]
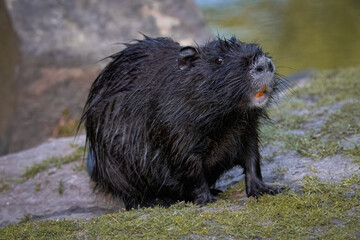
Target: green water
[{"x": 299, "y": 34}]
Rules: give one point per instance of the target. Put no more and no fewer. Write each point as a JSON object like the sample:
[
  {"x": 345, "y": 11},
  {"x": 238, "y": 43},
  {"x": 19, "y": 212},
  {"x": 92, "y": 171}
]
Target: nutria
[{"x": 163, "y": 121}]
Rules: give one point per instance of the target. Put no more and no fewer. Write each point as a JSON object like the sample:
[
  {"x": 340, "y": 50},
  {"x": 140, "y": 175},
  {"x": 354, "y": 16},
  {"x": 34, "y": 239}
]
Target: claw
[
  {"x": 205, "y": 198},
  {"x": 259, "y": 188}
]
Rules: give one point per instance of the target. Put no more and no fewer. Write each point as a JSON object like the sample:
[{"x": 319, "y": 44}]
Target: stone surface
[
  {"x": 40, "y": 197},
  {"x": 51, "y": 52},
  {"x": 13, "y": 165}
]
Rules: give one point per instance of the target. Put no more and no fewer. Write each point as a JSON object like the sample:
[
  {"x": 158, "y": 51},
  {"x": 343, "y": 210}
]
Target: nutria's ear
[{"x": 186, "y": 57}]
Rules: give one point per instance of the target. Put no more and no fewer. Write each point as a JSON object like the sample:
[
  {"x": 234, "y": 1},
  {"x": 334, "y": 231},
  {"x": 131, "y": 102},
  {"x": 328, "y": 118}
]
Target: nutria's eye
[{"x": 219, "y": 61}]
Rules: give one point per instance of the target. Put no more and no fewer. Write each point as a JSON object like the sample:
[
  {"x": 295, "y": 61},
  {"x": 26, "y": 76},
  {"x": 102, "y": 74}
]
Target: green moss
[
  {"x": 60, "y": 188},
  {"x": 81, "y": 166},
  {"x": 322, "y": 210},
  {"x": 344, "y": 122},
  {"x": 279, "y": 170},
  {"x": 3, "y": 186},
  {"x": 292, "y": 121},
  {"x": 310, "y": 146},
  {"x": 62, "y": 229},
  {"x": 269, "y": 158},
  {"x": 34, "y": 169},
  {"x": 67, "y": 130},
  {"x": 287, "y": 114},
  {"x": 312, "y": 168},
  {"x": 272, "y": 134},
  {"x": 38, "y": 187},
  {"x": 329, "y": 87},
  {"x": 25, "y": 219},
  {"x": 234, "y": 192},
  {"x": 289, "y": 105},
  {"x": 66, "y": 126}
]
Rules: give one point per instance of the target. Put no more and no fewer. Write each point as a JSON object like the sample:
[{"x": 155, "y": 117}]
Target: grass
[
  {"x": 279, "y": 170},
  {"x": 323, "y": 210},
  {"x": 38, "y": 187},
  {"x": 60, "y": 188},
  {"x": 332, "y": 86},
  {"x": 343, "y": 122},
  {"x": 234, "y": 191},
  {"x": 66, "y": 126},
  {"x": 308, "y": 145},
  {"x": 25, "y": 219},
  {"x": 287, "y": 114},
  {"x": 3, "y": 186},
  {"x": 80, "y": 166},
  {"x": 354, "y": 151},
  {"x": 34, "y": 169}
]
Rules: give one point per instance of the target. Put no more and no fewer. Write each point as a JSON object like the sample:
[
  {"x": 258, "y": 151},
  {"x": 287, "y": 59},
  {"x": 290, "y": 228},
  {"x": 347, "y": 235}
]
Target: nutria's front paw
[
  {"x": 205, "y": 198},
  {"x": 258, "y": 187}
]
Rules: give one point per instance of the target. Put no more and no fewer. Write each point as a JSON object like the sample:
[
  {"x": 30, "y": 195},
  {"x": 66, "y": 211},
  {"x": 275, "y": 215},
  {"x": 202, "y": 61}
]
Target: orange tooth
[{"x": 261, "y": 93}]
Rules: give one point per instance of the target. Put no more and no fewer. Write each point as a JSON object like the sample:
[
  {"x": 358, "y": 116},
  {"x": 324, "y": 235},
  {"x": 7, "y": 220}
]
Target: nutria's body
[{"x": 163, "y": 122}]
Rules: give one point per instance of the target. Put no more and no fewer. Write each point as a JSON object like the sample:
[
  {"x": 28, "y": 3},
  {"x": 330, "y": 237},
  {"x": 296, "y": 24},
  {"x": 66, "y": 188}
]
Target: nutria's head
[{"x": 232, "y": 71}]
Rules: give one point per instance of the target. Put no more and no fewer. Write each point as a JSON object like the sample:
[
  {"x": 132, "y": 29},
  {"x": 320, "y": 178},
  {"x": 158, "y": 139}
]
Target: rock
[
  {"x": 13, "y": 165},
  {"x": 52, "y": 194},
  {"x": 50, "y": 53}
]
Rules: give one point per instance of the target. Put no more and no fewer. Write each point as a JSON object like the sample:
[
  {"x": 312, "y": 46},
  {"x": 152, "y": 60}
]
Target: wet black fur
[{"x": 164, "y": 122}]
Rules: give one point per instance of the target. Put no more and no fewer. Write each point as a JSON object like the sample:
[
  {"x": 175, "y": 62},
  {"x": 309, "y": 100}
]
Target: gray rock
[
  {"x": 13, "y": 165},
  {"x": 40, "y": 196},
  {"x": 50, "y": 53}
]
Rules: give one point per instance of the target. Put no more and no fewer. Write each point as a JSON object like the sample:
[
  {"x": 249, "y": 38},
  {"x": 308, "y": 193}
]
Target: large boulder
[
  {"x": 50, "y": 52},
  {"x": 57, "y": 192}
]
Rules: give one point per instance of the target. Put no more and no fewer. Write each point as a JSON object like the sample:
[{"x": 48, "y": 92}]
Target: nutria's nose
[{"x": 264, "y": 64}]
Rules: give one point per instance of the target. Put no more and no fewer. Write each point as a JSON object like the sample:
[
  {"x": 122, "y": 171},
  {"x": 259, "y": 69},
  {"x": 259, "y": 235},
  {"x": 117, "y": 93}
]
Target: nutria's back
[{"x": 133, "y": 67}]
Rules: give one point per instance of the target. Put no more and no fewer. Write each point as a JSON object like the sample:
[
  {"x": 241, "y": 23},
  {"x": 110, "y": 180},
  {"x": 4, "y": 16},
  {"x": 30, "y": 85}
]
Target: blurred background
[
  {"x": 299, "y": 34},
  {"x": 50, "y": 50}
]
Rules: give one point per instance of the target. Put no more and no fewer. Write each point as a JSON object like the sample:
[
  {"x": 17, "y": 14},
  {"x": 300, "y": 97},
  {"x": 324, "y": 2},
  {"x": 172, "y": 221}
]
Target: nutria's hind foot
[
  {"x": 257, "y": 188},
  {"x": 215, "y": 191},
  {"x": 205, "y": 198}
]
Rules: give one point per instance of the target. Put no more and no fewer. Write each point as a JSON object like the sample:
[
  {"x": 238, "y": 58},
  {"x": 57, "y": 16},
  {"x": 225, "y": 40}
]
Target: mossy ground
[
  {"x": 315, "y": 122},
  {"x": 322, "y": 210},
  {"x": 3, "y": 186},
  {"x": 319, "y": 116}
]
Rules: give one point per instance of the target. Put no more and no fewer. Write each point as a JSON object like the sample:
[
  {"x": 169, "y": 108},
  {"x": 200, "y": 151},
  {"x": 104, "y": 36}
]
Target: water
[{"x": 299, "y": 34}]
